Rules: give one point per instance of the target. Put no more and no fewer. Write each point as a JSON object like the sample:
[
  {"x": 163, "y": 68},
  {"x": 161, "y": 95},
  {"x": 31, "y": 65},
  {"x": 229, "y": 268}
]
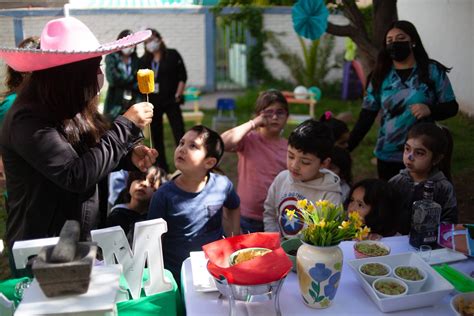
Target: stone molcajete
[{"x": 65, "y": 268}]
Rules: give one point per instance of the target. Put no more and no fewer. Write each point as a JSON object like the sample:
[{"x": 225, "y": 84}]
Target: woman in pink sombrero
[{"x": 56, "y": 146}]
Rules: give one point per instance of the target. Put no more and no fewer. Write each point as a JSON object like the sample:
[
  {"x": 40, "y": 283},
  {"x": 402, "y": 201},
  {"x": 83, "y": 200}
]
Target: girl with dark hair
[
  {"x": 406, "y": 86},
  {"x": 338, "y": 127},
  {"x": 170, "y": 81},
  {"x": 426, "y": 156},
  {"x": 262, "y": 155},
  {"x": 56, "y": 146},
  {"x": 377, "y": 204},
  {"x": 199, "y": 206},
  {"x": 135, "y": 199},
  {"x": 121, "y": 70}
]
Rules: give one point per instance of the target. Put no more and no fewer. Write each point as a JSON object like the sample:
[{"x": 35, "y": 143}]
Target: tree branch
[{"x": 341, "y": 30}]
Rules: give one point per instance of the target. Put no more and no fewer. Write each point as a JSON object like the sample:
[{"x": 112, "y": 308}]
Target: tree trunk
[{"x": 385, "y": 12}]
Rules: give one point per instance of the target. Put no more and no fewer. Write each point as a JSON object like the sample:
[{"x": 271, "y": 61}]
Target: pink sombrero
[{"x": 64, "y": 41}]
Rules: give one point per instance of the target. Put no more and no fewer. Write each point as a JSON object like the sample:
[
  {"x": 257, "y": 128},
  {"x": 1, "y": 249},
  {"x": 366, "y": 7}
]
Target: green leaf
[
  {"x": 313, "y": 295},
  {"x": 316, "y": 287},
  {"x": 319, "y": 298}
]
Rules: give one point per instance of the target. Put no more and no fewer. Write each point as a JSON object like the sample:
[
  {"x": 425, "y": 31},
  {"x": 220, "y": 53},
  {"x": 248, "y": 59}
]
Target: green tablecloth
[
  {"x": 166, "y": 303},
  {"x": 7, "y": 288}
]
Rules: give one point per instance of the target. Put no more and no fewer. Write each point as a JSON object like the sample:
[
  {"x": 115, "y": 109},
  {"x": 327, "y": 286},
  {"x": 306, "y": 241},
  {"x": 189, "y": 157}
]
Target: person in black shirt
[
  {"x": 56, "y": 146},
  {"x": 170, "y": 80}
]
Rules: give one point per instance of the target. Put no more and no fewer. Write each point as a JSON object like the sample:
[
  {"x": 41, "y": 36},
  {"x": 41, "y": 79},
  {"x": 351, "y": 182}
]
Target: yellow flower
[
  {"x": 310, "y": 208},
  {"x": 290, "y": 214},
  {"x": 302, "y": 204},
  {"x": 344, "y": 225},
  {"x": 362, "y": 233},
  {"x": 355, "y": 218},
  {"x": 324, "y": 203},
  {"x": 322, "y": 223}
]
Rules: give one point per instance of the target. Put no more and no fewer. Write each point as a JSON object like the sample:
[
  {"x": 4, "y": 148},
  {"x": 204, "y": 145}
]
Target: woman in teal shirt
[
  {"x": 406, "y": 87},
  {"x": 14, "y": 79}
]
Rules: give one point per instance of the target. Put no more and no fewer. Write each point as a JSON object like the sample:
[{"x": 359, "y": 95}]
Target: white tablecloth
[{"x": 350, "y": 299}]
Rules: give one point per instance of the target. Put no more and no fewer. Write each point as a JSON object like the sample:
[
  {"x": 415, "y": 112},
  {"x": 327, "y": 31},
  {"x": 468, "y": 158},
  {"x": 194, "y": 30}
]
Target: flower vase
[{"x": 319, "y": 271}]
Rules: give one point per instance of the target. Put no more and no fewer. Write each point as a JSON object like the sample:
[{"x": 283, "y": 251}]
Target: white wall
[
  {"x": 185, "y": 32},
  {"x": 446, "y": 28}
]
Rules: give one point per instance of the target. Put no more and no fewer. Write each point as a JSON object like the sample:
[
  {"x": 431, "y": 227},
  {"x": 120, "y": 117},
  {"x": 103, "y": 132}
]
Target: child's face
[
  {"x": 417, "y": 158},
  {"x": 357, "y": 203},
  {"x": 343, "y": 141},
  {"x": 141, "y": 190},
  {"x": 276, "y": 116},
  {"x": 190, "y": 155},
  {"x": 304, "y": 166}
]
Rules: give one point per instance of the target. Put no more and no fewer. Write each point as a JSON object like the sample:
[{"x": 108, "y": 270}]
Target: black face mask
[{"x": 399, "y": 51}]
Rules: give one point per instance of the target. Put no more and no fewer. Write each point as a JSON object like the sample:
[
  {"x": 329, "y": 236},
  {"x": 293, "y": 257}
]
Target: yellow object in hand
[{"x": 146, "y": 81}]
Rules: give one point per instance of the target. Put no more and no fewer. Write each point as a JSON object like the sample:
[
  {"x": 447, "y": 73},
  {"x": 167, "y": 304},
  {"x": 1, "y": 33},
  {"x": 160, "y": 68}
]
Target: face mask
[
  {"x": 153, "y": 46},
  {"x": 399, "y": 51},
  {"x": 127, "y": 51}
]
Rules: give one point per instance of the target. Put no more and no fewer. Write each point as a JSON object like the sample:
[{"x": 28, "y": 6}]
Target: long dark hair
[
  {"x": 384, "y": 62},
  {"x": 13, "y": 78},
  {"x": 212, "y": 142},
  {"x": 67, "y": 96},
  {"x": 439, "y": 141},
  {"x": 384, "y": 205},
  {"x": 148, "y": 56}
]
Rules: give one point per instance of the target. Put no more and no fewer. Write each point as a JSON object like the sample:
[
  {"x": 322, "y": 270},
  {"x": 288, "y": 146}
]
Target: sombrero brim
[{"x": 27, "y": 60}]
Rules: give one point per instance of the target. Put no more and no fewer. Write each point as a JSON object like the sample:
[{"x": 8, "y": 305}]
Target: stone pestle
[{"x": 65, "y": 249}]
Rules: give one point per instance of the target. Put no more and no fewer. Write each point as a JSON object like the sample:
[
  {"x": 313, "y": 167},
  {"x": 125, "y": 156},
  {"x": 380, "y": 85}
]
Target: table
[{"x": 350, "y": 299}]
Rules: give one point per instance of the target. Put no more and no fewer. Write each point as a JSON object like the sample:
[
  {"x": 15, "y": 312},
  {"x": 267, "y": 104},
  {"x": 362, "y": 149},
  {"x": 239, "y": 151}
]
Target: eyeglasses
[{"x": 278, "y": 113}]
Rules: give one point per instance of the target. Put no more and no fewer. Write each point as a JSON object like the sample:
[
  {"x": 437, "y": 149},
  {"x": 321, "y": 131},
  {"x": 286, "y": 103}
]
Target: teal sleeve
[
  {"x": 6, "y": 105},
  {"x": 371, "y": 101}
]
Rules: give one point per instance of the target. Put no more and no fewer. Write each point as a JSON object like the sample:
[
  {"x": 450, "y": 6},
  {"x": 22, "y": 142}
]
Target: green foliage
[
  {"x": 311, "y": 70},
  {"x": 252, "y": 18},
  {"x": 368, "y": 14}
]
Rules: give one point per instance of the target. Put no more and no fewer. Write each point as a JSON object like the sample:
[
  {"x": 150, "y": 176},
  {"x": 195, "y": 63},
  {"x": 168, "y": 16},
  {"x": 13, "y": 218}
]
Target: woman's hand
[
  {"x": 144, "y": 157},
  {"x": 140, "y": 114},
  {"x": 420, "y": 110}
]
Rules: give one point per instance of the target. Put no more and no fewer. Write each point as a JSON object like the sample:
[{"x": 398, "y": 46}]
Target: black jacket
[
  {"x": 410, "y": 192},
  {"x": 171, "y": 71},
  {"x": 48, "y": 181}
]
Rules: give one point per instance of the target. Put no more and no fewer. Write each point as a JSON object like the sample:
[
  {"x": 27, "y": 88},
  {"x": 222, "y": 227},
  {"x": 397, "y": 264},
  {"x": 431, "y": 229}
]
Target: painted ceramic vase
[{"x": 319, "y": 271}]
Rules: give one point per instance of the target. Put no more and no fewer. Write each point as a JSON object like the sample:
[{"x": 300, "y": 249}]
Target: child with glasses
[{"x": 262, "y": 155}]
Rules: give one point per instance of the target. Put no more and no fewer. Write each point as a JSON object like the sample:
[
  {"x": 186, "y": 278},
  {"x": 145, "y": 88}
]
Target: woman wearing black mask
[
  {"x": 406, "y": 86},
  {"x": 170, "y": 80}
]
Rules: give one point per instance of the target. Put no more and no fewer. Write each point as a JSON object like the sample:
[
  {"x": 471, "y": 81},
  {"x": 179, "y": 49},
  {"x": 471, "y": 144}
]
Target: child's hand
[{"x": 261, "y": 120}]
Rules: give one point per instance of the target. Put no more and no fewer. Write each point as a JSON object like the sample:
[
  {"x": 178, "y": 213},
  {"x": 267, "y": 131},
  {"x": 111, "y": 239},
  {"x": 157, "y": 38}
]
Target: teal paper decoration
[{"x": 310, "y": 18}]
